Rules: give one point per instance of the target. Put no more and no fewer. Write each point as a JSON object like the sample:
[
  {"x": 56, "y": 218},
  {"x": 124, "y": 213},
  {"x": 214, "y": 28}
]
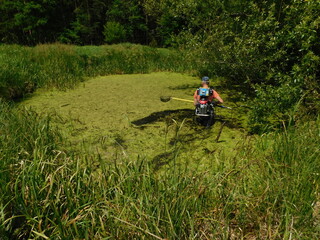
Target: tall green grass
[
  {"x": 269, "y": 189},
  {"x": 23, "y": 69}
]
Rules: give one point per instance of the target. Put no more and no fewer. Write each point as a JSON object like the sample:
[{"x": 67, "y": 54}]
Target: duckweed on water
[{"x": 125, "y": 112}]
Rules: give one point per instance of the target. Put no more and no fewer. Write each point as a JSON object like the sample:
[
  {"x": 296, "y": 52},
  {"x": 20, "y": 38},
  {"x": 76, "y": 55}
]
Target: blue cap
[{"x": 205, "y": 79}]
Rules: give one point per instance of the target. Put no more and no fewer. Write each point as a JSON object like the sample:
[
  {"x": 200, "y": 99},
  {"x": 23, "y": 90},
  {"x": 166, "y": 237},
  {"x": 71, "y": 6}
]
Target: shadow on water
[
  {"x": 178, "y": 114},
  {"x": 162, "y": 159},
  {"x": 196, "y": 130},
  {"x": 233, "y": 123},
  {"x": 196, "y": 133},
  {"x": 188, "y": 114},
  {"x": 183, "y": 142}
]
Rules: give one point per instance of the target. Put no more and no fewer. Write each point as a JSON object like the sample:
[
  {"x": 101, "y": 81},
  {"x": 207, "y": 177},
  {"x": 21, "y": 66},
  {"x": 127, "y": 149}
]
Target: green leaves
[
  {"x": 270, "y": 53},
  {"x": 114, "y": 32}
]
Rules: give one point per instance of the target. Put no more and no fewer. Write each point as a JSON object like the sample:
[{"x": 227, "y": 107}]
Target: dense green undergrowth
[
  {"x": 268, "y": 189},
  {"x": 23, "y": 69}
]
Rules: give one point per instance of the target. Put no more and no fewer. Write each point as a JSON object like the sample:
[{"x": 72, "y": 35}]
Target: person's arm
[
  {"x": 195, "y": 97},
  {"x": 217, "y": 96}
]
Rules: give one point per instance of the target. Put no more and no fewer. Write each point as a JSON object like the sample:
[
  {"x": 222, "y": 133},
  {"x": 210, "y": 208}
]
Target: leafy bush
[
  {"x": 114, "y": 32},
  {"x": 270, "y": 53}
]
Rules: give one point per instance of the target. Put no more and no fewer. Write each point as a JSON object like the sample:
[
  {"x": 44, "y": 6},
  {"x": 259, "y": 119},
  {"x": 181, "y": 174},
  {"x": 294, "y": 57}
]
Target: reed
[
  {"x": 24, "y": 69},
  {"x": 269, "y": 189}
]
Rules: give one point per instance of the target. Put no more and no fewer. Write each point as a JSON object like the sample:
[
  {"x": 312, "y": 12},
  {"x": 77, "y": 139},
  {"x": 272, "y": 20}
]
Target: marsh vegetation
[{"x": 87, "y": 150}]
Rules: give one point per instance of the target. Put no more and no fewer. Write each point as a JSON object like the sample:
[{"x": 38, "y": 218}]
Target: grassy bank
[
  {"x": 268, "y": 189},
  {"x": 23, "y": 69}
]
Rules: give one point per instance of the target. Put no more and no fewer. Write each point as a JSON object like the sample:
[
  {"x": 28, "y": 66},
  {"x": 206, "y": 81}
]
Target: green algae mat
[{"x": 123, "y": 114}]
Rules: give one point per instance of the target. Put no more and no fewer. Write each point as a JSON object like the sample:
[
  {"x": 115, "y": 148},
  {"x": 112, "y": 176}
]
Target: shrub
[{"x": 114, "y": 32}]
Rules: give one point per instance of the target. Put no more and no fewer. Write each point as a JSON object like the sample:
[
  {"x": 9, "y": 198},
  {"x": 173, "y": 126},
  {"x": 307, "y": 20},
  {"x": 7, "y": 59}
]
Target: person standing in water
[{"x": 205, "y": 82}]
